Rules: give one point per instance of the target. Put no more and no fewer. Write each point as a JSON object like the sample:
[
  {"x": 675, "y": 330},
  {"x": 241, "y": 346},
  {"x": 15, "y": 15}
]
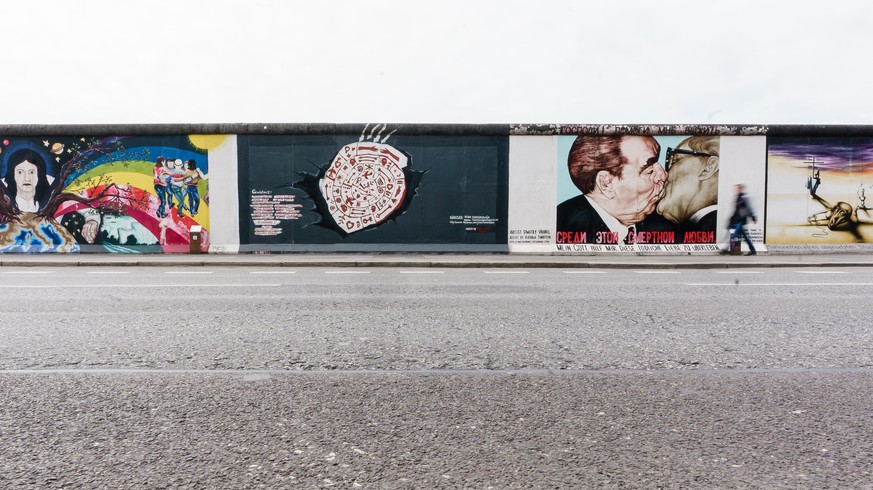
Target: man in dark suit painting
[
  {"x": 690, "y": 195},
  {"x": 620, "y": 180}
]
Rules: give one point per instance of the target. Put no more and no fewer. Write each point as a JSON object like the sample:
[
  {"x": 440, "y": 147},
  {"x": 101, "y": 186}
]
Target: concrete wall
[{"x": 428, "y": 188}]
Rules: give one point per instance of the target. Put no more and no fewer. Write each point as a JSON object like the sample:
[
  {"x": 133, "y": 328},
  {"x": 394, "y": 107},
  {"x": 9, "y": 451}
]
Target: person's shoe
[{"x": 752, "y": 253}]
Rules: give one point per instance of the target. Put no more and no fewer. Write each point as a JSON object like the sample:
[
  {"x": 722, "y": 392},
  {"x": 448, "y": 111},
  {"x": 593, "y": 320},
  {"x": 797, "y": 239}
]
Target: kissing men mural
[
  {"x": 626, "y": 191},
  {"x": 117, "y": 194}
]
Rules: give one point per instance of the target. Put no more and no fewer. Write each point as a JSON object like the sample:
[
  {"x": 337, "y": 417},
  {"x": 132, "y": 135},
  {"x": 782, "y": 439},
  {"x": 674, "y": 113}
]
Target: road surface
[{"x": 211, "y": 377}]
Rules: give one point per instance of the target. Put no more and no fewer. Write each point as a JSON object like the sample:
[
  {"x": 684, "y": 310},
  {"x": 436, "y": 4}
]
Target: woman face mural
[{"x": 26, "y": 180}]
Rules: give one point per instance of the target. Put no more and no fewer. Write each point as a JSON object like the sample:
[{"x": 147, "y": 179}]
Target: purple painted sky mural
[{"x": 835, "y": 154}]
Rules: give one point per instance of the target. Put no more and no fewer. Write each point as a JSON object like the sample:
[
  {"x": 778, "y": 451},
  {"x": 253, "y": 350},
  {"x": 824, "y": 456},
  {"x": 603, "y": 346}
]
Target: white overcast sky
[{"x": 445, "y": 61}]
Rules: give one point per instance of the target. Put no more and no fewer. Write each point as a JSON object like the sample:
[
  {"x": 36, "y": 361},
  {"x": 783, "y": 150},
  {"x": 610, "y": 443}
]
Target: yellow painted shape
[{"x": 207, "y": 141}]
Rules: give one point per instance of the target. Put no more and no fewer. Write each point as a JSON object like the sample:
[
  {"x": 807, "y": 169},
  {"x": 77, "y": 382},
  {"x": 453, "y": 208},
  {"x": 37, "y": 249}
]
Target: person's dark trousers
[{"x": 740, "y": 231}]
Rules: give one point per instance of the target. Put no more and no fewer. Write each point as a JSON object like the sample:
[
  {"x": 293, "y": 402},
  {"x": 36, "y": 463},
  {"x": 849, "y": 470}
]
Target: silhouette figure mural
[{"x": 833, "y": 208}]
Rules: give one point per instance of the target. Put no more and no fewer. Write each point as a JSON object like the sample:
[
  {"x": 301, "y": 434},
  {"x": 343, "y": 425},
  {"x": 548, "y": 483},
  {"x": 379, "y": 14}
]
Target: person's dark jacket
[{"x": 742, "y": 211}]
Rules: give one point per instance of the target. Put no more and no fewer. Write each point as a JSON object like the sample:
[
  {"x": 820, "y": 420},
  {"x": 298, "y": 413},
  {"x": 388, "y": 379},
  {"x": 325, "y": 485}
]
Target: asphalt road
[{"x": 458, "y": 378}]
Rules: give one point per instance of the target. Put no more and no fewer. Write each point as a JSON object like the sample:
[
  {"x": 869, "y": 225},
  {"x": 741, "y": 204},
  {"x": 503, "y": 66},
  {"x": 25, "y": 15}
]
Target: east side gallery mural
[
  {"x": 375, "y": 188},
  {"x": 624, "y": 190},
  {"x": 819, "y": 190},
  {"x": 103, "y": 194}
]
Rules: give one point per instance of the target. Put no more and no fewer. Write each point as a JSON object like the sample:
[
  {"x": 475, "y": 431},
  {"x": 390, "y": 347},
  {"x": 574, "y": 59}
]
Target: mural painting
[
  {"x": 102, "y": 194},
  {"x": 818, "y": 190},
  {"x": 637, "y": 193},
  {"x": 376, "y": 187}
]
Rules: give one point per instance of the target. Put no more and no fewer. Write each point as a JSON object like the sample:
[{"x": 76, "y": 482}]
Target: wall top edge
[{"x": 435, "y": 129}]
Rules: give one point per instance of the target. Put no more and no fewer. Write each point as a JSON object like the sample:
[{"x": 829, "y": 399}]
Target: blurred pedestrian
[{"x": 742, "y": 212}]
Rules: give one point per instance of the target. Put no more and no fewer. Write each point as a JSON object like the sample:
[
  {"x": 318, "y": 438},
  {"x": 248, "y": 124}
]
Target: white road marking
[
  {"x": 272, "y": 272},
  {"x": 584, "y": 272},
  {"x": 27, "y": 272},
  {"x": 422, "y": 272},
  {"x": 738, "y": 272},
  {"x": 116, "y": 286},
  {"x": 506, "y": 272},
  {"x": 346, "y": 272},
  {"x": 821, "y": 272},
  {"x": 108, "y": 272},
  {"x": 818, "y": 284}
]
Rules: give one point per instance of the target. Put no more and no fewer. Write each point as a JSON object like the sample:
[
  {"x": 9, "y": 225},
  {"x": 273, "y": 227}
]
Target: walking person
[{"x": 742, "y": 212}]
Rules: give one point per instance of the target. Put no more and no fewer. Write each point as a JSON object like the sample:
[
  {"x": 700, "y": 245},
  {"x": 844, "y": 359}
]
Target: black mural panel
[{"x": 373, "y": 189}]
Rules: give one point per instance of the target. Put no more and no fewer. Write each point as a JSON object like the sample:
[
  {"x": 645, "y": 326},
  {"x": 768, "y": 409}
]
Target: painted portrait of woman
[{"x": 27, "y": 182}]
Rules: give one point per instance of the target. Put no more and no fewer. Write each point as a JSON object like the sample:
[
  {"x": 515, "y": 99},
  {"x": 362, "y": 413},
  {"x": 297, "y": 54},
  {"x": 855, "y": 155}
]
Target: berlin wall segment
[{"x": 524, "y": 188}]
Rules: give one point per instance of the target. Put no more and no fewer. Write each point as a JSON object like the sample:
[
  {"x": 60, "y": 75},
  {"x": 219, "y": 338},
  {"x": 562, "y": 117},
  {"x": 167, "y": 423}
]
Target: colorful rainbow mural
[{"x": 117, "y": 194}]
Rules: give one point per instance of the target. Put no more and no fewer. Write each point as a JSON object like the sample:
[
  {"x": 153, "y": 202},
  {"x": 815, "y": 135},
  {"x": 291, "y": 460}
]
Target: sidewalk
[{"x": 440, "y": 260}]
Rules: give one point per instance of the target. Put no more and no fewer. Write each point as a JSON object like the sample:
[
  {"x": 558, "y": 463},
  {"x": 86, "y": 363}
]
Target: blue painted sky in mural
[
  {"x": 132, "y": 150},
  {"x": 502, "y": 61},
  {"x": 148, "y": 153}
]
